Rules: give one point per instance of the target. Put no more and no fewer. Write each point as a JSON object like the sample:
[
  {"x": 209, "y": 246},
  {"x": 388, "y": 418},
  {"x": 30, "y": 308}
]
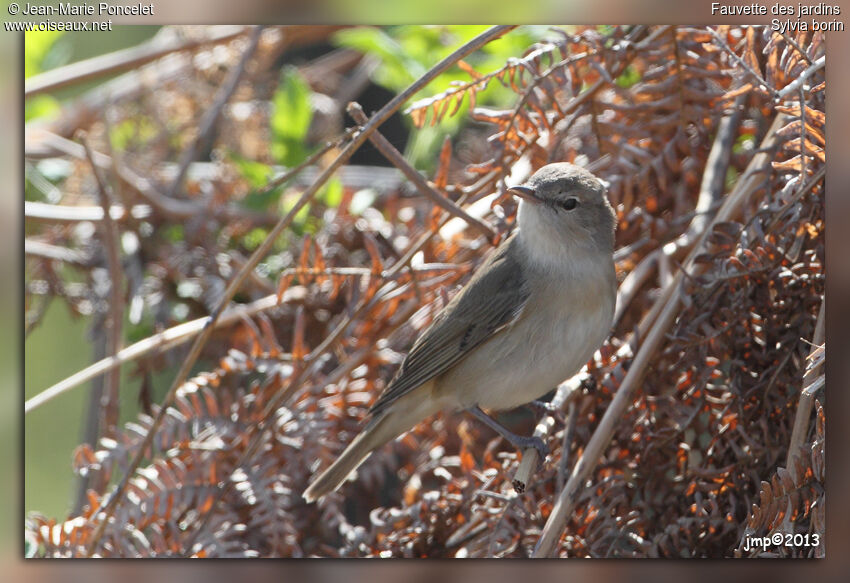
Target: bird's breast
[{"x": 564, "y": 322}]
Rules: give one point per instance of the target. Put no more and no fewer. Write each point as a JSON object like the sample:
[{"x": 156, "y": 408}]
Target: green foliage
[
  {"x": 41, "y": 52},
  {"x": 331, "y": 193},
  {"x": 254, "y": 238},
  {"x": 398, "y": 69},
  {"x": 40, "y": 106},
  {"x": 406, "y": 52},
  {"x": 257, "y": 175},
  {"x": 132, "y": 132},
  {"x": 290, "y": 119},
  {"x": 629, "y": 77}
]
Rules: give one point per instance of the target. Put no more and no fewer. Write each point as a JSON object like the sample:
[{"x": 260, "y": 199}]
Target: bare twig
[
  {"x": 181, "y": 333},
  {"x": 790, "y": 40},
  {"x": 102, "y": 415},
  {"x": 711, "y": 189},
  {"x": 42, "y": 211},
  {"x": 668, "y": 304},
  {"x": 569, "y": 430},
  {"x": 390, "y": 153},
  {"x": 115, "y": 319},
  {"x": 174, "y": 336},
  {"x": 804, "y": 412},
  {"x": 742, "y": 63},
  {"x": 312, "y": 159}
]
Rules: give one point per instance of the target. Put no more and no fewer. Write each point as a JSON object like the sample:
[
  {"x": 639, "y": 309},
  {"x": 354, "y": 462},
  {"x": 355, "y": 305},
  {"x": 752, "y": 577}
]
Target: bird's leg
[
  {"x": 543, "y": 406},
  {"x": 518, "y": 441},
  {"x": 546, "y": 408}
]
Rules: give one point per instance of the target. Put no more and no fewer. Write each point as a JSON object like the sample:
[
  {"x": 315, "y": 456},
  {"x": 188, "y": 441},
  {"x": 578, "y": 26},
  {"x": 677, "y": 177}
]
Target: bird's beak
[{"x": 525, "y": 193}]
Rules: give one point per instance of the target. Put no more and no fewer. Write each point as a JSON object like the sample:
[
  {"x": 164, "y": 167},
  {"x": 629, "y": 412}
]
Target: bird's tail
[{"x": 395, "y": 420}]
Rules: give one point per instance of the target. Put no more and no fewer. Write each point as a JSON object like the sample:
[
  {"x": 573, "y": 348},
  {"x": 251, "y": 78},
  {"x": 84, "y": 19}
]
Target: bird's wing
[{"x": 492, "y": 300}]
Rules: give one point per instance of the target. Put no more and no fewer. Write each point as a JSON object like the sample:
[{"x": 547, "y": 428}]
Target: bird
[{"x": 530, "y": 317}]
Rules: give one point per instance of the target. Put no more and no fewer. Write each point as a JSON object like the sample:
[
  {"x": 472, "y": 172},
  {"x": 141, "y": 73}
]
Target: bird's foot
[
  {"x": 545, "y": 408},
  {"x": 523, "y": 443},
  {"x": 518, "y": 441}
]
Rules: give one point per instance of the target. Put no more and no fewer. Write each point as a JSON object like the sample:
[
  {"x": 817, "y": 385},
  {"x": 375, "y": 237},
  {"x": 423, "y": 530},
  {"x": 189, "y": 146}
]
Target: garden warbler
[{"x": 530, "y": 317}]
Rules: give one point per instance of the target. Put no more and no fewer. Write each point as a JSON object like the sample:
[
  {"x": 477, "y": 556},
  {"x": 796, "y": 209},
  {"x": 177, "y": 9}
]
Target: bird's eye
[{"x": 569, "y": 204}]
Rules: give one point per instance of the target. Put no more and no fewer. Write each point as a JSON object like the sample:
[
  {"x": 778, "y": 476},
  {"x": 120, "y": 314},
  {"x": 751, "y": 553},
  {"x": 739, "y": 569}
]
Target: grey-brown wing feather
[{"x": 491, "y": 301}]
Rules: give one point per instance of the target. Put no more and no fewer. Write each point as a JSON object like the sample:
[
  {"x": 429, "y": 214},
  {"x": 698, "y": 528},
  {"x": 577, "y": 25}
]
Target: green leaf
[
  {"x": 331, "y": 193},
  {"x": 629, "y": 77},
  {"x": 41, "y": 106},
  {"x": 256, "y": 173},
  {"x": 290, "y": 118},
  {"x": 133, "y": 132},
  {"x": 254, "y": 238},
  {"x": 398, "y": 68},
  {"x": 37, "y": 46}
]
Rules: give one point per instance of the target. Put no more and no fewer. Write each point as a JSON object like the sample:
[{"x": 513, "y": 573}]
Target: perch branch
[{"x": 530, "y": 457}]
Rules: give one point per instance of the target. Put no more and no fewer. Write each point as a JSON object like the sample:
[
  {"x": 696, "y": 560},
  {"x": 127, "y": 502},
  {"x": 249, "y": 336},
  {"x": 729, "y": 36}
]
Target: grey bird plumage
[{"x": 532, "y": 314}]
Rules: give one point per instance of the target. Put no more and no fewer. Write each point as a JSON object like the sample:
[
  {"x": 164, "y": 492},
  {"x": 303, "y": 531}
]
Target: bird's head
[{"x": 564, "y": 208}]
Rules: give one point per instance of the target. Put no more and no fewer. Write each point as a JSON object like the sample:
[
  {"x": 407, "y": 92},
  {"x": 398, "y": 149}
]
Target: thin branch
[
  {"x": 569, "y": 432},
  {"x": 115, "y": 319},
  {"x": 790, "y": 40},
  {"x": 807, "y": 396},
  {"x": 669, "y": 304},
  {"x": 173, "y": 209},
  {"x": 530, "y": 457},
  {"x": 42, "y": 211},
  {"x": 106, "y": 512},
  {"x": 742, "y": 63},
  {"x": 800, "y": 81},
  {"x": 181, "y": 333},
  {"x": 390, "y": 153},
  {"x": 55, "y": 253},
  {"x": 167, "y": 339}
]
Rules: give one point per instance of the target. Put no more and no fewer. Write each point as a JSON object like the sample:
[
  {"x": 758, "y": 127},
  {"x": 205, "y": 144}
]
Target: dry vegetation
[{"x": 712, "y": 141}]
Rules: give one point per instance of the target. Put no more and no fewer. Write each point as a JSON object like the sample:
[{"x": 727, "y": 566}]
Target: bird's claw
[{"x": 523, "y": 443}]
